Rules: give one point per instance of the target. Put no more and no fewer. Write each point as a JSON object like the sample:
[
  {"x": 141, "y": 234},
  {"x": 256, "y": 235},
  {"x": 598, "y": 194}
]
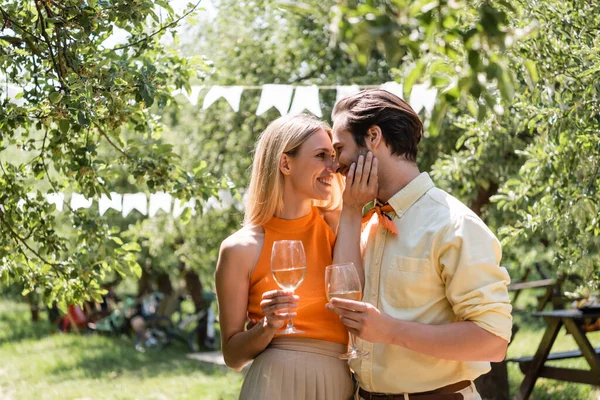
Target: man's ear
[
  {"x": 374, "y": 137},
  {"x": 284, "y": 164}
]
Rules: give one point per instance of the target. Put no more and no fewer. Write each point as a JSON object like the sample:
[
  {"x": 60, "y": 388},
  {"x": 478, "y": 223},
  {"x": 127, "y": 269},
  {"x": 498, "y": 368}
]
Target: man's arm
[{"x": 462, "y": 341}]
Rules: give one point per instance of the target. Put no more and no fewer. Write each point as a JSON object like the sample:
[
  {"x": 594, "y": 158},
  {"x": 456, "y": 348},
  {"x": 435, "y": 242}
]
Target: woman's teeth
[{"x": 325, "y": 181}]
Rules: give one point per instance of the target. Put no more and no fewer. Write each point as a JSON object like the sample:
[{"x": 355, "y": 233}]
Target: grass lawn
[{"x": 37, "y": 364}]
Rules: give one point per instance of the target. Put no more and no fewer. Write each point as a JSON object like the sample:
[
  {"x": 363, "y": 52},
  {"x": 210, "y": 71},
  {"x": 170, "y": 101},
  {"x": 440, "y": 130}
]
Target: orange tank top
[{"x": 318, "y": 240}]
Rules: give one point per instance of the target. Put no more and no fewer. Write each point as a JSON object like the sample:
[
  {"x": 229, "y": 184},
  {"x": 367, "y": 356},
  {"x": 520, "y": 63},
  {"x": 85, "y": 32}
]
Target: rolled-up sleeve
[{"x": 476, "y": 286}]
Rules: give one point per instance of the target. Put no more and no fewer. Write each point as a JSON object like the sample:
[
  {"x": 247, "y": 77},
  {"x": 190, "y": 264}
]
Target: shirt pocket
[{"x": 407, "y": 282}]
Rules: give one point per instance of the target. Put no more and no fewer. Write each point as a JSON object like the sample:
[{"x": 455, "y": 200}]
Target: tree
[{"x": 83, "y": 102}]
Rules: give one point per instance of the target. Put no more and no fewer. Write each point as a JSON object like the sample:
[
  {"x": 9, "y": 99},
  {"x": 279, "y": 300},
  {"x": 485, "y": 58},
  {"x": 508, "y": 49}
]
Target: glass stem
[
  {"x": 352, "y": 344},
  {"x": 290, "y": 324}
]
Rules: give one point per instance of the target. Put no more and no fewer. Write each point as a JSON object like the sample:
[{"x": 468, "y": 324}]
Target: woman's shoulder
[
  {"x": 332, "y": 218},
  {"x": 242, "y": 246}
]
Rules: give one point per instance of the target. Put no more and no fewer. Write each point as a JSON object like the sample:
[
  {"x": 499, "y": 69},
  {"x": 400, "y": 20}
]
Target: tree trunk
[
  {"x": 144, "y": 283},
  {"x": 194, "y": 289},
  {"x": 33, "y": 307}
]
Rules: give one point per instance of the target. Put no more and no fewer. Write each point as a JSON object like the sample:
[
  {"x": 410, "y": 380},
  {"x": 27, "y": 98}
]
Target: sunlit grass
[{"x": 38, "y": 363}]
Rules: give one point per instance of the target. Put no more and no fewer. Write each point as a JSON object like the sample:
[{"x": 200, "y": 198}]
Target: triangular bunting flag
[
  {"x": 393, "y": 87},
  {"x": 232, "y": 94},
  {"x": 115, "y": 202},
  {"x": 79, "y": 201},
  {"x": 58, "y": 199},
  {"x": 193, "y": 95},
  {"x": 178, "y": 207},
  {"x": 135, "y": 201},
  {"x": 306, "y": 98},
  {"x": 278, "y": 96},
  {"x": 422, "y": 96},
  {"x": 343, "y": 91},
  {"x": 159, "y": 201}
]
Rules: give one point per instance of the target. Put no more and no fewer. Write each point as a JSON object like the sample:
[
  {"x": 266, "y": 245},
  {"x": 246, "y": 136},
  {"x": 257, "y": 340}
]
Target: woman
[{"x": 293, "y": 171}]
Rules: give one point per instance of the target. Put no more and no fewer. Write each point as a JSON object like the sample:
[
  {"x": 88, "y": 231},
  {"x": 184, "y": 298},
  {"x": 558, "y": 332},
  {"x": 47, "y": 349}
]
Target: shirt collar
[{"x": 410, "y": 193}]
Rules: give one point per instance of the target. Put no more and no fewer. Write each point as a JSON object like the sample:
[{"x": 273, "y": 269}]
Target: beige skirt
[{"x": 298, "y": 369}]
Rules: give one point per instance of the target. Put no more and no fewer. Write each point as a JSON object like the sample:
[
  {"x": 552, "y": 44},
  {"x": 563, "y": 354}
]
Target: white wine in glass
[
  {"x": 342, "y": 281},
  {"x": 288, "y": 266}
]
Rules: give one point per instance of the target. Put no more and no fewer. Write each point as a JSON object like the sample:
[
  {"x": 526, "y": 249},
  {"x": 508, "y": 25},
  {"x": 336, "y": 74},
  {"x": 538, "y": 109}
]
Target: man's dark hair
[{"x": 399, "y": 123}]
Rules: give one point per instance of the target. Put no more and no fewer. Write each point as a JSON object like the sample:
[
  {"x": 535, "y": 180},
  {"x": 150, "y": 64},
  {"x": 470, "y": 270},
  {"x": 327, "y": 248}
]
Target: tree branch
[
  {"x": 158, "y": 31},
  {"x": 49, "y": 44},
  {"x": 7, "y": 18},
  {"x": 41, "y": 155},
  {"x": 18, "y": 238},
  {"x": 102, "y": 133}
]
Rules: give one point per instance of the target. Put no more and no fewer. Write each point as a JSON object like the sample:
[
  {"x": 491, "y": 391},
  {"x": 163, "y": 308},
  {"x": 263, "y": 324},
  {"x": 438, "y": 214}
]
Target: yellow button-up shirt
[{"x": 442, "y": 267}]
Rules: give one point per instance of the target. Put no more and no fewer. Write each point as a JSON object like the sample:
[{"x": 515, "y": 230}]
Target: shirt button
[{"x": 368, "y": 387}]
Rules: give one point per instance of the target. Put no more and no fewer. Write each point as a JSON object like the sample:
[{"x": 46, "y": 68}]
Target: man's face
[{"x": 346, "y": 149}]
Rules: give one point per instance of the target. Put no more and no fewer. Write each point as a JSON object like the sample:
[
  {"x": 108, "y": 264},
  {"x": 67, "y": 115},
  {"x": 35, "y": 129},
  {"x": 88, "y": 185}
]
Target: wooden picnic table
[{"x": 534, "y": 367}]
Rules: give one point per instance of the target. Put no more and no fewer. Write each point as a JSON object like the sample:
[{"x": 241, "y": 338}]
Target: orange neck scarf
[{"x": 382, "y": 217}]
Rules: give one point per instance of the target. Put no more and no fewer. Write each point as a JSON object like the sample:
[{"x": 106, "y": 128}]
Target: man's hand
[
  {"x": 361, "y": 183},
  {"x": 277, "y": 306},
  {"x": 362, "y": 319}
]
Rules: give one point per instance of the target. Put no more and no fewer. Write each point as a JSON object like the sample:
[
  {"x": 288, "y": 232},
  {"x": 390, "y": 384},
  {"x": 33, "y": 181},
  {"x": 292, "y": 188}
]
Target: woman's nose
[{"x": 334, "y": 165}]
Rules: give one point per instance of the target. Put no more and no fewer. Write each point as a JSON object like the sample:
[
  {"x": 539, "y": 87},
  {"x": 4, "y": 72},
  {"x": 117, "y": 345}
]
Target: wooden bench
[
  {"x": 534, "y": 367},
  {"x": 548, "y": 283},
  {"x": 525, "y": 362}
]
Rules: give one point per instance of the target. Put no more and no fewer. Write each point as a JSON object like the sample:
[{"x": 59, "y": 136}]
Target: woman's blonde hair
[{"x": 265, "y": 192}]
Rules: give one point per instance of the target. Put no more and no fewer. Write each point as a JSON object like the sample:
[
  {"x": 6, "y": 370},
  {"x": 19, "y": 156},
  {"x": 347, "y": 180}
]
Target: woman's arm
[
  {"x": 234, "y": 267},
  {"x": 361, "y": 188}
]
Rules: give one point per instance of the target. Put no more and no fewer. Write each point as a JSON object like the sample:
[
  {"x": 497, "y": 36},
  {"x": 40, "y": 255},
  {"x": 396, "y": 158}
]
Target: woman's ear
[
  {"x": 374, "y": 137},
  {"x": 284, "y": 164}
]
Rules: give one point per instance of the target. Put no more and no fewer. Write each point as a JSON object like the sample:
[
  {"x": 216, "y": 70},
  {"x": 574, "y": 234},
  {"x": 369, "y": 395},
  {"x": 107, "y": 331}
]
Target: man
[{"x": 435, "y": 307}]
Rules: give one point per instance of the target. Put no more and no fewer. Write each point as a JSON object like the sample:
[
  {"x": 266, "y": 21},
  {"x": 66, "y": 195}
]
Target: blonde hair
[{"x": 265, "y": 192}]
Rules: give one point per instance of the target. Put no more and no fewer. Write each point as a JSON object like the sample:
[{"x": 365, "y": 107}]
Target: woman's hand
[
  {"x": 278, "y": 306},
  {"x": 361, "y": 183}
]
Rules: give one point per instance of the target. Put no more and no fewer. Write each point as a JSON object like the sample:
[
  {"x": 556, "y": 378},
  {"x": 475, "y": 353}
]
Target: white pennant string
[
  {"x": 79, "y": 201},
  {"x": 178, "y": 207},
  {"x": 306, "y": 98},
  {"x": 278, "y": 96},
  {"x": 193, "y": 95},
  {"x": 58, "y": 199},
  {"x": 135, "y": 201},
  {"x": 343, "y": 91},
  {"x": 394, "y": 87},
  {"x": 232, "y": 94},
  {"x": 159, "y": 201},
  {"x": 115, "y": 202},
  {"x": 422, "y": 96}
]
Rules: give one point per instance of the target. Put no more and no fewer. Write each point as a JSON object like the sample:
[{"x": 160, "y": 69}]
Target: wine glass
[
  {"x": 288, "y": 266},
  {"x": 342, "y": 281}
]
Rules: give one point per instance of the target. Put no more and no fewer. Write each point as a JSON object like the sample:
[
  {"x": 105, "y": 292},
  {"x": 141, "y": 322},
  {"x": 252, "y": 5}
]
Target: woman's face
[{"x": 313, "y": 166}]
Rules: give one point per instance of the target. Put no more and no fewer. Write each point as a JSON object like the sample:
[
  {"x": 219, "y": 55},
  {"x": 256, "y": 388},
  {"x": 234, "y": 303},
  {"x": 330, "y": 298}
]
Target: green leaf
[
  {"x": 64, "y": 125},
  {"x": 55, "y": 97},
  {"x": 532, "y": 70},
  {"x": 131, "y": 246},
  {"x": 136, "y": 269}
]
